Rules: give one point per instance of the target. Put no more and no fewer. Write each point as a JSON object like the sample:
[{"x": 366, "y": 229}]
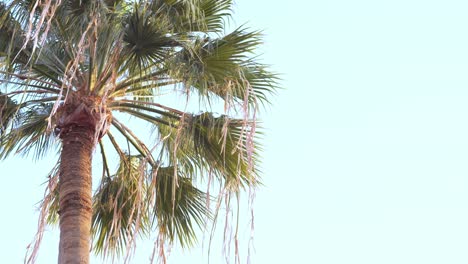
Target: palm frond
[
  {"x": 29, "y": 132},
  {"x": 215, "y": 12},
  {"x": 120, "y": 207},
  {"x": 8, "y": 109},
  {"x": 221, "y": 67},
  {"x": 145, "y": 43},
  {"x": 11, "y": 40},
  {"x": 184, "y": 16},
  {"x": 179, "y": 205},
  {"x": 216, "y": 144}
]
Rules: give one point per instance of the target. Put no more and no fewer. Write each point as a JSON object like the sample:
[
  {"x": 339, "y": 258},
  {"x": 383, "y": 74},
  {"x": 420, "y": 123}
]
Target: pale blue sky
[{"x": 366, "y": 148}]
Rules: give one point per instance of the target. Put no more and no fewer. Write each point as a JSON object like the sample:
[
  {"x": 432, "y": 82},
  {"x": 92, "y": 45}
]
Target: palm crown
[{"x": 87, "y": 64}]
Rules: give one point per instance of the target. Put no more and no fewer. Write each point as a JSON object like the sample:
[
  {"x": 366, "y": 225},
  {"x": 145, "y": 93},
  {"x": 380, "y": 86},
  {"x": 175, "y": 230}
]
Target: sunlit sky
[{"x": 366, "y": 148}]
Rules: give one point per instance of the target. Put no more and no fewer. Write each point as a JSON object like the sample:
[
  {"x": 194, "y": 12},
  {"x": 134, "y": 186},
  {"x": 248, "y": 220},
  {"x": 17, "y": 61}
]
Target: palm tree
[{"x": 74, "y": 71}]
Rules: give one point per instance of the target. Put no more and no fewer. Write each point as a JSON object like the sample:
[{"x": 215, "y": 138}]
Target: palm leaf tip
[{"x": 179, "y": 206}]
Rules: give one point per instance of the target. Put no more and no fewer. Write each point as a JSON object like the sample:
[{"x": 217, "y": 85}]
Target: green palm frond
[
  {"x": 256, "y": 77},
  {"x": 193, "y": 15},
  {"x": 215, "y": 12},
  {"x": 221, "y": 67},
  {"x": 8, "y": 28},
  {"x": 8, "y": 109},
  {"x": 52, "y": 65},
  {"x": 78, "y": 8},
  {"x": 175, "y": 15},
  {"x": 179, "y": 205},
  {"x": 145, "y": 43},
  {"x": 120, "y": 207},
  {"x": 11, "y": 41},
  {"x": 215, "y": 144},
  {"x": 29, "y": 133}
]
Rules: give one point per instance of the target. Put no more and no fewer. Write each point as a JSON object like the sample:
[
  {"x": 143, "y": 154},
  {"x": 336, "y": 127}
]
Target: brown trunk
[{"x": 75, "y": 195}]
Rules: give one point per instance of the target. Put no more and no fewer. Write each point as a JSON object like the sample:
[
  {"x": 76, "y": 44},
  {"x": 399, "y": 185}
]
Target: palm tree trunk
[{"x": 75, "y": 195}]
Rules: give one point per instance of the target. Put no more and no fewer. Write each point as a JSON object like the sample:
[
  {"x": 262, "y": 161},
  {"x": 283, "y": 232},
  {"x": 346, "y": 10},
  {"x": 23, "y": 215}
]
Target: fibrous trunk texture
[{"x": 75, "y": 195}]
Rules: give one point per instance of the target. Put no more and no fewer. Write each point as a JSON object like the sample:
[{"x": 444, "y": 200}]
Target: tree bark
[{"x": 75, "y": 195}]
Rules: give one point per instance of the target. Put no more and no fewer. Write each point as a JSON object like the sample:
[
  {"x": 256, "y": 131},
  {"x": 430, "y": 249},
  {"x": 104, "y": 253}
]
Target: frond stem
[
  {"x": 154, "y": 104},
  {"x": 148, "y": 117},
  {"x": 148, "y": 77},
  {"x": 26, "y": 77},
  {"x": 133, "y": 139},
  {"x": 114, "y": 143},
  {"x": 104, "y": 160},
  {"x": 117, "y": 105}
]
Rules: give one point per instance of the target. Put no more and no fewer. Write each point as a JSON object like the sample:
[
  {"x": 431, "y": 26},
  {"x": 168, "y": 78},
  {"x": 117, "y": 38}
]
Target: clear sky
[{"x": 366, "y": 148}]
